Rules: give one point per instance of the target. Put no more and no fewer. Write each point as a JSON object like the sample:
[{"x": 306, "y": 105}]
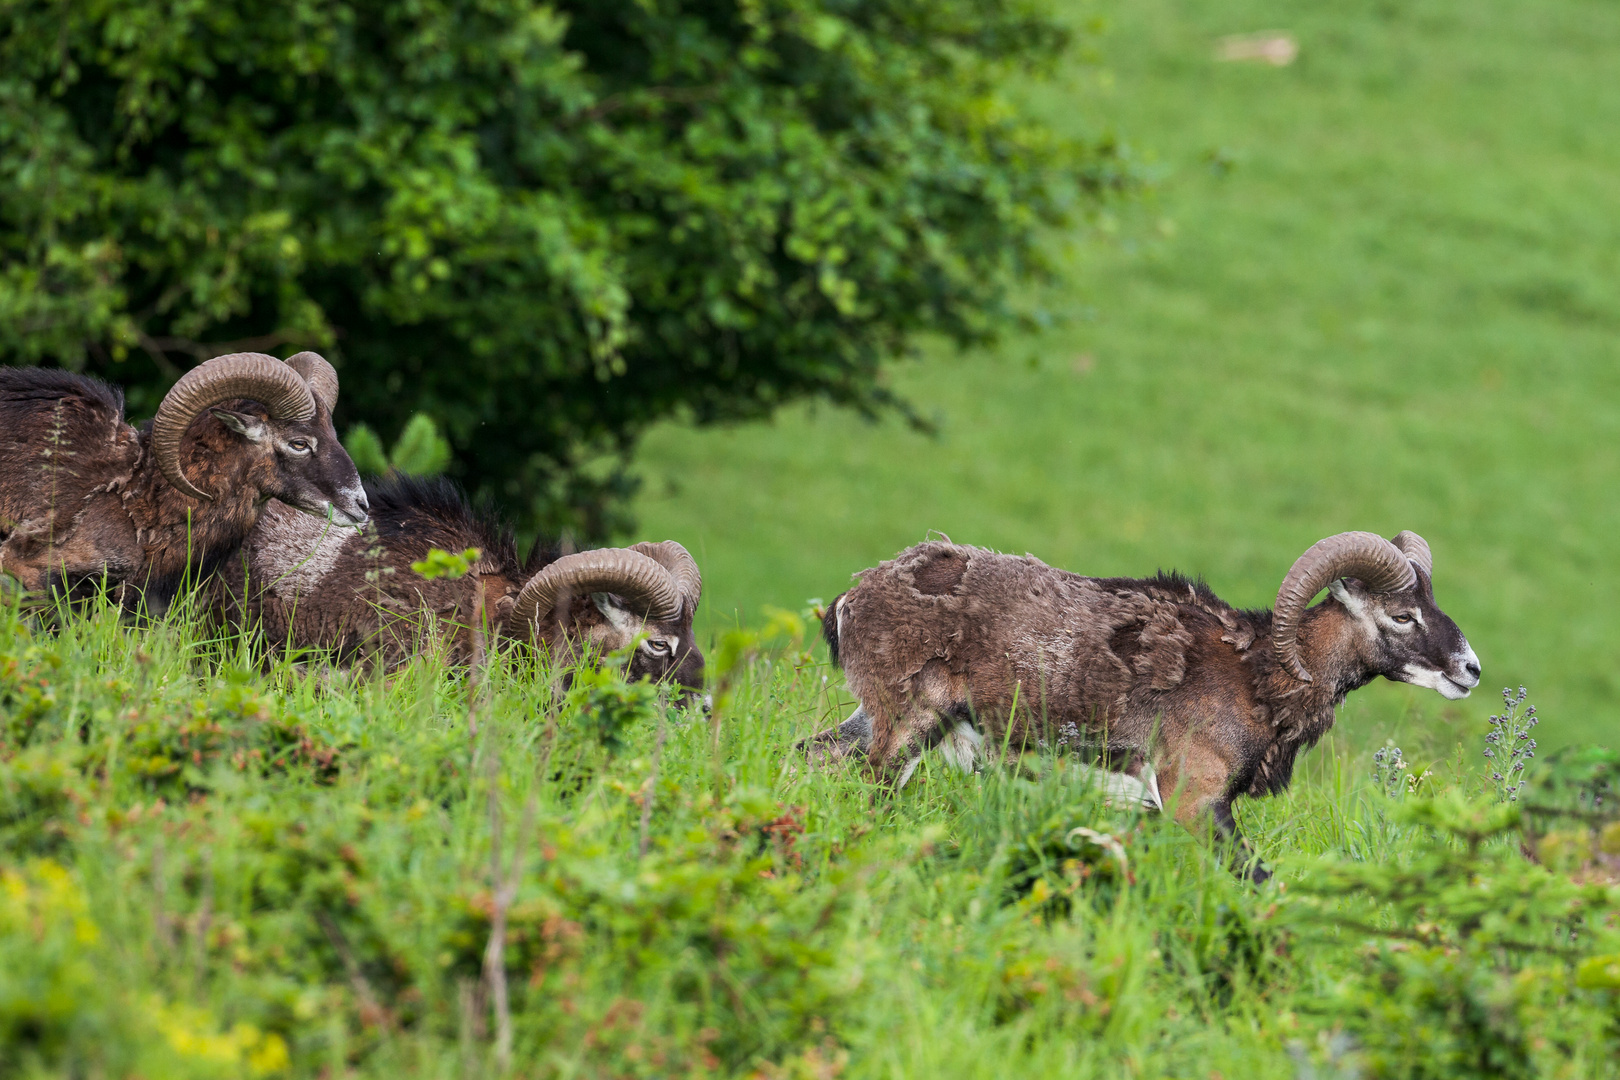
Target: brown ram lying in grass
[
  {"x": 306, "y": 586},
  {"x": 1157, "y": 677},
  {"x": 85, "y": 497}
]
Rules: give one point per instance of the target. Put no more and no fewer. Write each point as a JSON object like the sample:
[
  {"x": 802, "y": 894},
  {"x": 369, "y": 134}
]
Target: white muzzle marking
[{"x": 1453, "y": 689}]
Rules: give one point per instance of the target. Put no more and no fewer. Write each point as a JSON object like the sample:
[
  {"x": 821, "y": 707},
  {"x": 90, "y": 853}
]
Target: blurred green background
[{"x": 1373, "y": 289}]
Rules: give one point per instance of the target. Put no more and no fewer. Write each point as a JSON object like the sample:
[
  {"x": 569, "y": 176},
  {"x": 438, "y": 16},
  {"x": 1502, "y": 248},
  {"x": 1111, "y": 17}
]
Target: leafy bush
[
  {"x": 547, "y": 225},
  {"x": 1473, "y": 955},
  {"x": 420, "y": 450},
  {"x": 60, "y": 1014}
]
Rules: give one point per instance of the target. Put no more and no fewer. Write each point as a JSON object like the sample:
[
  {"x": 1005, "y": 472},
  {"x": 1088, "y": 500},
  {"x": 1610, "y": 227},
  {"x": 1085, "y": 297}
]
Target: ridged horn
[
  {"x": 238, "y": 375},
  {"x": 630, "y": 574},
  {"x": 678, "y": 561},
  {"x": 1416, "y": 549},
  {"x": 1380, "y": 565},
  {"x": 320, "y": 375}
]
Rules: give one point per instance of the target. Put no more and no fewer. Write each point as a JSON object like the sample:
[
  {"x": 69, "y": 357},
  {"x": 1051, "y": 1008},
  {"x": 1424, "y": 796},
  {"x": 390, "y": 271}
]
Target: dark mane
[
  {"x": 542, "y": 553},
  {"x": 1177, "y": 587},
  {"x": 413, "y": 512}
]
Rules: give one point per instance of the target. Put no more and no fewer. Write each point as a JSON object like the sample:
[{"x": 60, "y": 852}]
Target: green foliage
[
  {"x": 606, "y": 707},
  {"x": 420, "y": 451},
  {"x": 446, "y": 564},
  {"x": 545, "y": 224},
  {"x": 689, "y": 898},
  {"x": 366, "y": 450},
  {"x": 1479, "y": 964},
  {"x": 1573, "y": 814}
]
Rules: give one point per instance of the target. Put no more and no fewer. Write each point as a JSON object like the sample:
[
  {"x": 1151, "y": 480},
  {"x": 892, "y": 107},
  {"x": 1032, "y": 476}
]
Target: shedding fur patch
[{"x": 939, "y": 572}]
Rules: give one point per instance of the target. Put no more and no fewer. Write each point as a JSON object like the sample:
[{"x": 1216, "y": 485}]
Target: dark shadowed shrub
[{"x": 547, "y": 225}]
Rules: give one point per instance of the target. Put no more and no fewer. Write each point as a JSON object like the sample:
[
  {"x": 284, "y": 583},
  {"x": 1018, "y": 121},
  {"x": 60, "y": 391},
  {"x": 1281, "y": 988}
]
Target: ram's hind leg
[
  {"x": 850, "y": 739},
  {"x": 897, "y": 748}
]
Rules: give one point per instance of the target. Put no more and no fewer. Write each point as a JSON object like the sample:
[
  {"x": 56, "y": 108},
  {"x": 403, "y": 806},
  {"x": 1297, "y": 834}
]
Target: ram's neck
[
  {"x": 181, "y": 534},
  {"x": 1330, "y": 646},
  {"x": 1330, "y": 650}
]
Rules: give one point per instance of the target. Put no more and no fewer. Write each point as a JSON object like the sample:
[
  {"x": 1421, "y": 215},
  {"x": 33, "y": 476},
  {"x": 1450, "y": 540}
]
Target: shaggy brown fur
[
  {"x": 82, "y": 499},
  {"x": 1157, "y": 670},
  {"x": 307, "y": 587}
]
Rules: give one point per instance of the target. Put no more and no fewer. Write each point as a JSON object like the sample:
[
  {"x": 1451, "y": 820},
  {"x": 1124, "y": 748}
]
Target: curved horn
[
  {"x": 634, "y": 576},
  {"x": 1381, "y": 565},
  {"x": 1416, "y": 549},
  {"x": 321, "y": 376},
  {"x": 238, "y": 375},
  {"x": 678, "y": 561}
]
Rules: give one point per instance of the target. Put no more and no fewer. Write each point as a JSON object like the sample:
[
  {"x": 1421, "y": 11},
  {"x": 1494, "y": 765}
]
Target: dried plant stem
[
  {"x": 503, "y": 890},
  {"x": 652, "y": 783},
  {"x": 160, "y": 918},
  {"x": 371, "y": 1009},
  {"x": 205, "y": 917},
  {"x": 475, "y": 677}
]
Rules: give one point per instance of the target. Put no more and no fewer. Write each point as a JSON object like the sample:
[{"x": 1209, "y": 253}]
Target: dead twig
[
  {"x": 207, "y": 350},
  {"x": 652, "y": 783},
  {"x": 371, "y": 1010},
  {"x": 475, "y": 677},
  {"x": 160, "y": 919},
  {"x": 504, "y": 882},
  {"x": 1274, "y": 47}
]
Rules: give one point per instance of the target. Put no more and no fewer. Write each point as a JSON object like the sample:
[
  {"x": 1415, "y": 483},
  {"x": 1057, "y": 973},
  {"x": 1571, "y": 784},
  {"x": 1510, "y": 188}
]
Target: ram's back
[
  {"x": 61, "y": 436},
  {"x": 66, "y": 461},
  {"x": 1081, "y": 654}
]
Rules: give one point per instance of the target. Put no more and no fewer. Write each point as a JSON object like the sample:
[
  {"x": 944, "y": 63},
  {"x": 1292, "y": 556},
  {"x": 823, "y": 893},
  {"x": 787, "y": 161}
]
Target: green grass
[
  {"x": 1373, "y": 290},
  {"x": 210, "y": 872},
  {"x": 1393, "y": 310}
]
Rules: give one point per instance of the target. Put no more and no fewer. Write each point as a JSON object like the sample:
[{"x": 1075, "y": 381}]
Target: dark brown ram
[
  {"x": 1158, "y": 676},
  {"x": 307, "y": 586},
  {"x": 84, "y": 496}
]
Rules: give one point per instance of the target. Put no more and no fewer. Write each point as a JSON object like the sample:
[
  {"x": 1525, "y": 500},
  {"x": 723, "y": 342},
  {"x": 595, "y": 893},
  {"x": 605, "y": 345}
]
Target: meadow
[
  {"x": 1373, "y": 289},
  {"x": 215, "y": 870},
  {"x": 1368, "y": 290}
]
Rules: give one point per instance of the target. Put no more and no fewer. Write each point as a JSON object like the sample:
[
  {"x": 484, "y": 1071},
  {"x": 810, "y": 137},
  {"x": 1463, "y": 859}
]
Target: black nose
[{"x": 1472, "y": 669}]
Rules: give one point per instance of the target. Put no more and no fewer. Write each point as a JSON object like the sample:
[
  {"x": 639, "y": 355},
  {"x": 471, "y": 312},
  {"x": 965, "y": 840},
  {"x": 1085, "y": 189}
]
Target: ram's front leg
[{"x": 1200, "y": 778}]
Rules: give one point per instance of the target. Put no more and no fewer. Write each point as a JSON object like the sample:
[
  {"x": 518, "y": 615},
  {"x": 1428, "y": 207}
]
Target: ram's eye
[
  {"x": 1403, "y": 619},
  {"x": 299, "y": 446},
  {"x": 656, "y": 646}
]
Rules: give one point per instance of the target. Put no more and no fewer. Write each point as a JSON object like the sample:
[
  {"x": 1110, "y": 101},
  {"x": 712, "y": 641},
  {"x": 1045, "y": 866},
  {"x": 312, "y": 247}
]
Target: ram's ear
[
  {"x": 1351, "y": 593},
  {"x": 249, "y": 427}
]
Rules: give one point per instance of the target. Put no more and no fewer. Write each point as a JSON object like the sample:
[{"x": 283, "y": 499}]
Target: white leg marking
[
  {"x": 961, "y": 746},
  {"x": 1122, "y": 789}
]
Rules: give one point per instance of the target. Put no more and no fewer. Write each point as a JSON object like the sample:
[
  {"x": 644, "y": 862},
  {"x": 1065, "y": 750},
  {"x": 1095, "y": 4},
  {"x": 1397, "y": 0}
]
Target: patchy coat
[{"x": 953, "y": 644}]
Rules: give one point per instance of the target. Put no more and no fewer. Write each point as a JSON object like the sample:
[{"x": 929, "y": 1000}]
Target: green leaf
[
  {"x": 421, "y": 450},
  {"x": 446, "y": 564},
  {"x": 1599, "y": 973},
  {"x": 366, "y": 450}
]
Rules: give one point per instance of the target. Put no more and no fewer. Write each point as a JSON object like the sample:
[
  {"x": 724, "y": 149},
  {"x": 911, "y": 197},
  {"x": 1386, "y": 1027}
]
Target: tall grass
[{"x": 217, "y": 867}]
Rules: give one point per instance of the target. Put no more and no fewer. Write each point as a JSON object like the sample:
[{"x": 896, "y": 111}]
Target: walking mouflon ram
[{"x": 1206, "y": 702}]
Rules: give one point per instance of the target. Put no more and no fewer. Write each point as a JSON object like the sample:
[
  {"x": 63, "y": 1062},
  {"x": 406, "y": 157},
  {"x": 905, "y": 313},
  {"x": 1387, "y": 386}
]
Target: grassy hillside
[
  {"x": 1375, "y": 290},
  {"x": 206, "y": 872}
]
